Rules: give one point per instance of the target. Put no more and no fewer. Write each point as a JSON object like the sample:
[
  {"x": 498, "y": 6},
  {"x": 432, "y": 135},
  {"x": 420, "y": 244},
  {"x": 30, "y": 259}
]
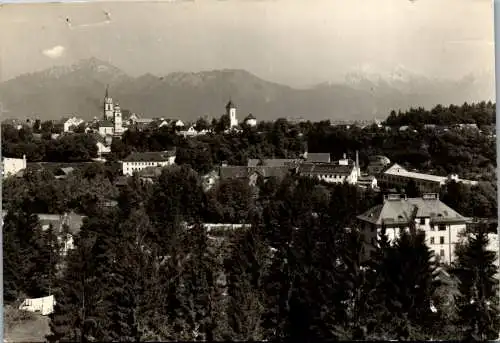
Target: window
[
  {"x": 442, "y": 227},
  {"x": 432, "y": 227},
  {"x": 422, "y": 221},
  {"x": 432, "y": 240},
  {"x": 441, "y": 240},
  {"x": 441, "y": 253}
]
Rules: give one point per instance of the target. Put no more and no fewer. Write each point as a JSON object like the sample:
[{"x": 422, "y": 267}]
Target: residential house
[
  {"x": 140, "y": 160},
  {"x": 442, "y": 225},
  {"x": 179, "y": 124},
  {"x": 330, "y": 172},
  {"x": 12, "y": 166},
  {"x": 105, "y": 128},
  {"x": 69, "y": 124},
  {"x": 66, "y": 226},
  {"x": 44, "y": 306},
  {"x": 250, "y": 120},
  {"x": 149, "y": 174},
  {"x": 190, "y": 132},
  {"x": 397, "y": 176}
]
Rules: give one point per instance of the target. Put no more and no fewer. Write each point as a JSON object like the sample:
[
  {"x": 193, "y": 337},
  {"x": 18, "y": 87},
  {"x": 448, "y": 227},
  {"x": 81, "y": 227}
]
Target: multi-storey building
[
  {"x": 442, "y": 225},
  {"x": 141, "y": 160}
]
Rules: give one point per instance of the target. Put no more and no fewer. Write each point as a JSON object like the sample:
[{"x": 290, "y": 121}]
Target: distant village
[{"x": 442, "y": 223}]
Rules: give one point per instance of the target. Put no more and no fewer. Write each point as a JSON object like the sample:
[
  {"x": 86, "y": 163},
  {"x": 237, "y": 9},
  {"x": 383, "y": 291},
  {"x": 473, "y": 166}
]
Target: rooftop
[
  {"x": 398, "y": 170},
  {"x": 318, "y": 157},
  {"x": 398, "y": 210},
  {"x": 150, "y": 156},
  {"x": 325, "y": 168}
]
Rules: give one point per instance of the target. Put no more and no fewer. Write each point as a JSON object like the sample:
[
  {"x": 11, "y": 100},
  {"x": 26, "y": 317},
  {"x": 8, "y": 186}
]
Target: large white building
[
  {"x": 398, "y": 176},
  {"x": 11, "y": 166},
  {"x": 141, "y": 160},
  {"x": 342, "y": 171},
  {"x": 70, "y": 123},
  {"x": 441, "y": 224}
]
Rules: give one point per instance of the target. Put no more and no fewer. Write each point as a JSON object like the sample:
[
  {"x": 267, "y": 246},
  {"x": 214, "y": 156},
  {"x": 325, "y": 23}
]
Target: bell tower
[
  {"x": 108, "y": 106},
  {"x": 231, "y": 113},
  {"x": 117, "y": 120}
]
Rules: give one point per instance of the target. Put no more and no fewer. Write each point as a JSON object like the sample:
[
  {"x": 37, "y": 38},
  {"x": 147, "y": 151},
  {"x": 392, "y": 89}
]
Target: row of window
[
  {"x": 142, "y": 163},
  {"x": 441, "y": 240}
]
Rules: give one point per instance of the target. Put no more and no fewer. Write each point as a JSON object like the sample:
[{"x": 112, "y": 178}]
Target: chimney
[{"x": 345, "y": 156}]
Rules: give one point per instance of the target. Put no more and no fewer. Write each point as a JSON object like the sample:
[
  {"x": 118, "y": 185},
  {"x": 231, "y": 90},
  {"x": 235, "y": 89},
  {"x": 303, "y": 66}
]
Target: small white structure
[
  {"x": 70, "y": 123},
  {"x": 44, "y": 306},
  {"x": 141, "y": 160},
  {"x": 191, "y": 132},
  {"x": 179, "y": 124},
  {"x": 11, "y": 166},
  {"x": 250, "y": 120}
]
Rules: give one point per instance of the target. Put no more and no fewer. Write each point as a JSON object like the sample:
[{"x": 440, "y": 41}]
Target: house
[
  {"x": 367, "y": 181},
  {"x": 441, "y": 224},
  {"x": 70, "y": 123},
  {"x": 140, "y": 160},
  {"x": 179, "y": 124},
  {"x": 190, "y": 132},
  {"x": 317, "y": 157},
  {"x": 330, "y": 172},
  {"x": 105, "y": 127},
  {"x": 397, "y": 176},
  {"x": 44, "y": 306},
  {"x": 11, "y": 166},
  {"x": 250, "y": 120},
  {"x": 66, "y": 226}
]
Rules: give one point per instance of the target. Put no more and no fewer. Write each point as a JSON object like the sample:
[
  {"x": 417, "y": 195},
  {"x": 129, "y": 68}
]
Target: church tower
[
  {"x": 117, "y": 120},
  {"x": 231, "y": 113},
  {"x": 108, "y": 106}
]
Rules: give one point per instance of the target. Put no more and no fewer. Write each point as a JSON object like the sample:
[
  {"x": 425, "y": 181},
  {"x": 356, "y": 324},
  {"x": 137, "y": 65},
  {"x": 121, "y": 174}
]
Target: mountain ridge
[{"x": 79, "y": 88}]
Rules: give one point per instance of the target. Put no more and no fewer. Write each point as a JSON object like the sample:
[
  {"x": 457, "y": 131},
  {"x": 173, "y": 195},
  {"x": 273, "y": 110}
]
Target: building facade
[
  {"x": 441, "y": 224},
  {"x": 138, "y": 161},
  {"x": 11, "y": 166},
  {"x": 398, "y": 176}
]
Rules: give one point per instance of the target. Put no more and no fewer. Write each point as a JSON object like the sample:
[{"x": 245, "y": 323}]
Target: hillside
[{"x": 79, "y": 89}]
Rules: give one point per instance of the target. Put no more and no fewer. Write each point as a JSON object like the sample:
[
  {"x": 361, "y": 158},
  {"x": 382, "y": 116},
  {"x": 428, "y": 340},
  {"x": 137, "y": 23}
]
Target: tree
[
  {"x": 245, "y": 268},
  {"x": 478, "y": 306}
]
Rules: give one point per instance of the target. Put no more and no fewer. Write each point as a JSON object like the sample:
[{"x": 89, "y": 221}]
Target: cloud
[{"x": 54, "y": 52}]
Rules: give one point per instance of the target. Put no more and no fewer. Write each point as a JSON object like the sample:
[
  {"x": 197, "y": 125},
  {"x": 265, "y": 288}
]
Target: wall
[{"x": 128, "y": 168}]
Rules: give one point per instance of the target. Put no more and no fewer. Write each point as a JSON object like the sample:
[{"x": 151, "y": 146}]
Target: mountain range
[{"x": 79, "y": 89}]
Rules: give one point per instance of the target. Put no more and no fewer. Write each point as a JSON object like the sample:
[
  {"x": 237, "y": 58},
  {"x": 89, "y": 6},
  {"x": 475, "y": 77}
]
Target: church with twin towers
[{"x": 113, "y": 120}]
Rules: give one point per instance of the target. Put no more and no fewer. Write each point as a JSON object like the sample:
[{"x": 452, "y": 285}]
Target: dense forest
[{"x": 147, "y": 270}]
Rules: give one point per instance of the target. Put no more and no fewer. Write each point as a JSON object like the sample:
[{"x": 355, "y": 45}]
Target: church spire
[{"x": 107, "y": 94}]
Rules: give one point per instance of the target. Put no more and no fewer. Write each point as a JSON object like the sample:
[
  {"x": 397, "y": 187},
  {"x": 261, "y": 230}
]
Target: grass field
[{"x": 22, "y": 326}]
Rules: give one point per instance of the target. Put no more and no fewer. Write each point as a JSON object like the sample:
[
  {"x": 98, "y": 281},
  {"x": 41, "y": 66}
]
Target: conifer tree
[
  {"x": 478, "y": 306},
  {"x": 245, "y": 268}
]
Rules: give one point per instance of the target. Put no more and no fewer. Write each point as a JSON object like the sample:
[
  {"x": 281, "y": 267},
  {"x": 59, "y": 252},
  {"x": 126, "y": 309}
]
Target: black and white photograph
[{"x": 249, "y": 170}]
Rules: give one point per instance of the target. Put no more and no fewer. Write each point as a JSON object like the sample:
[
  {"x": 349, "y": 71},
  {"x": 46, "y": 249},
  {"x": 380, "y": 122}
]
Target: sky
[{"x": 294, "y": 42}]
